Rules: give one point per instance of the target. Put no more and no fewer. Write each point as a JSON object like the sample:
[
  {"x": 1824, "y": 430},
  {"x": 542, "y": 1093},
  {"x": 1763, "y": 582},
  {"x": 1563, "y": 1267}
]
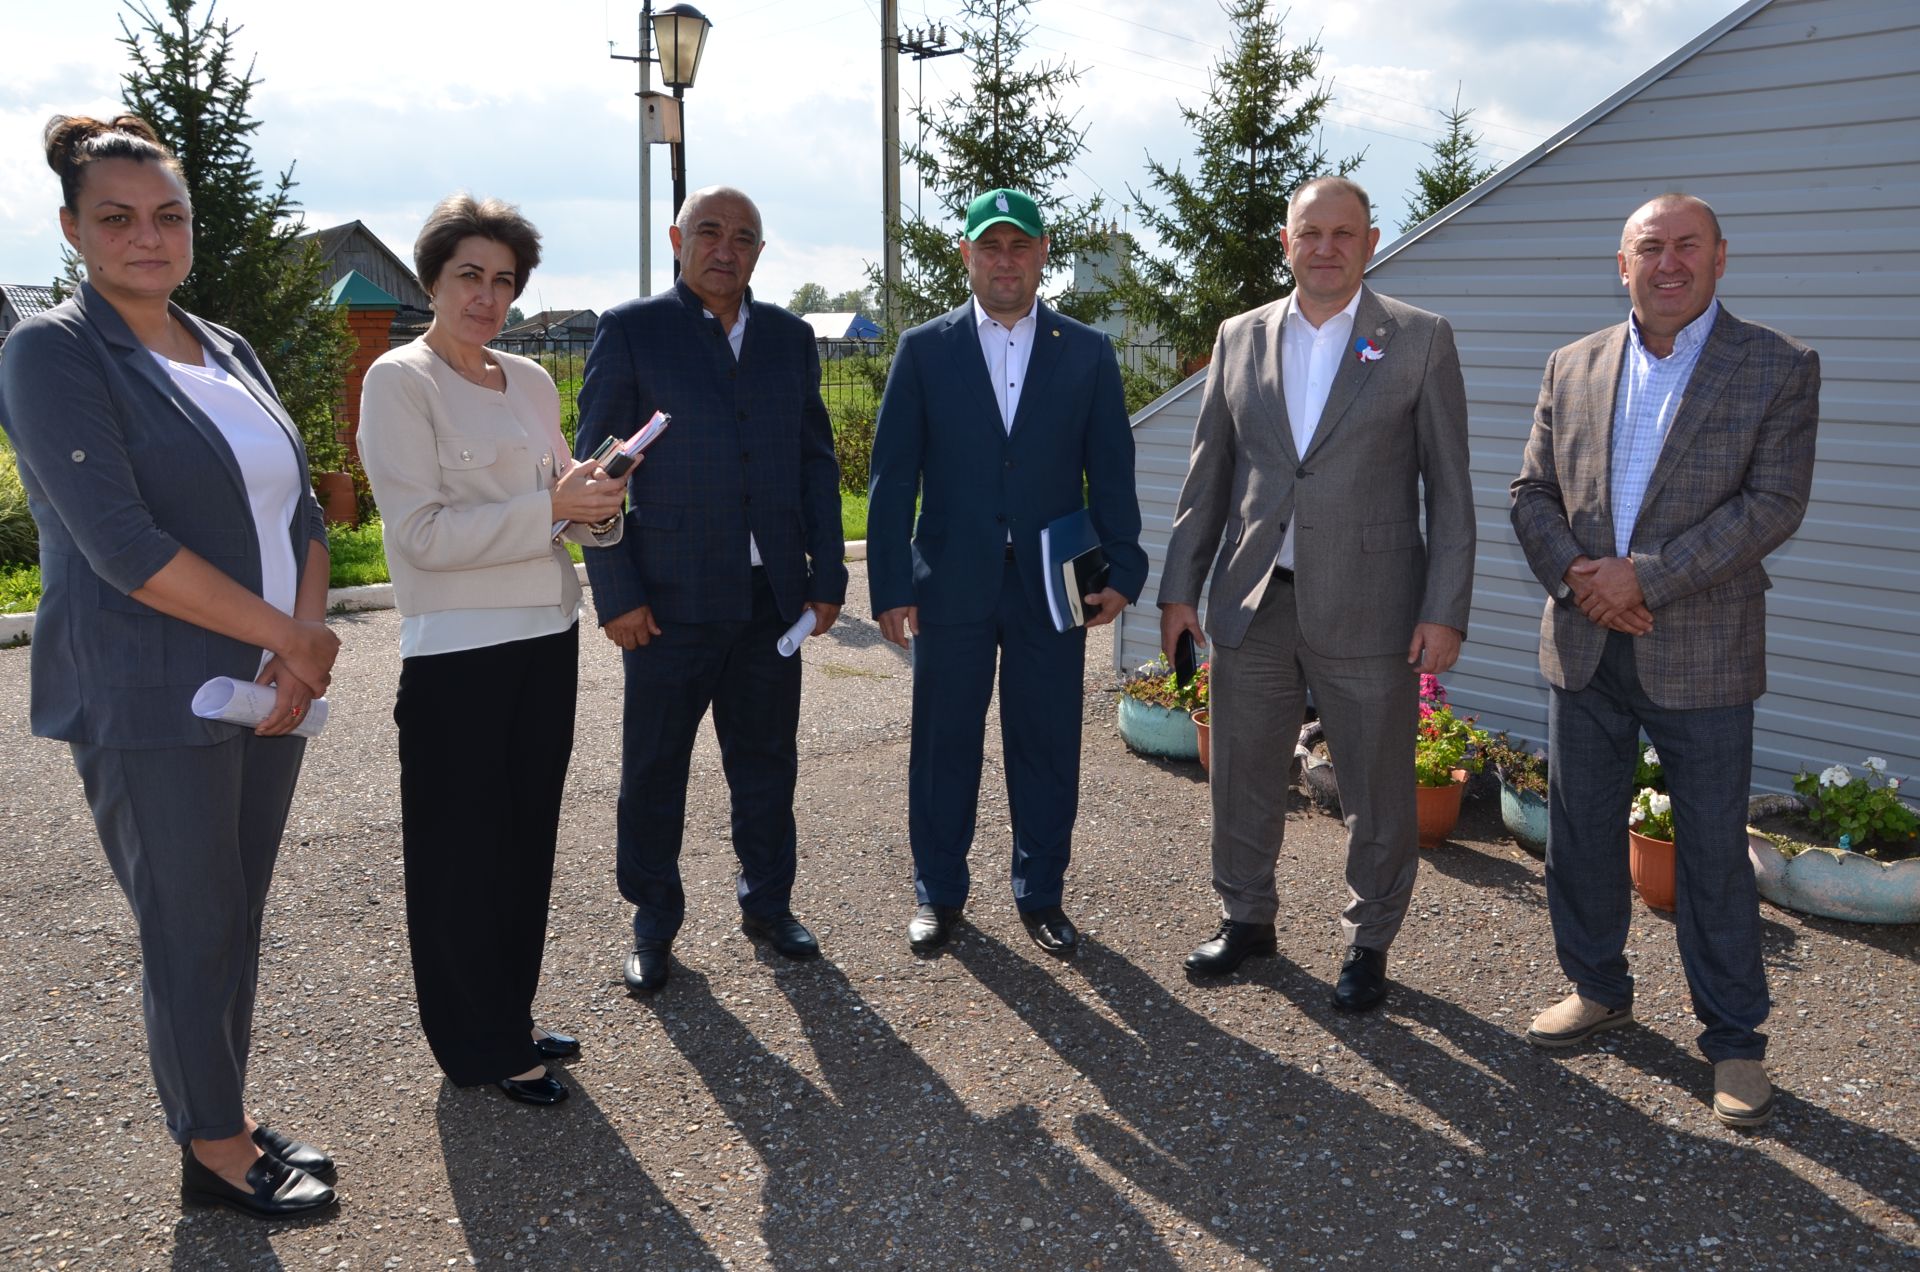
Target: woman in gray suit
[{"x": 179, "y": 541}]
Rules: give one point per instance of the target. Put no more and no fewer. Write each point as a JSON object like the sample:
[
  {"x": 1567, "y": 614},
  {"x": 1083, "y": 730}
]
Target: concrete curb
[{"x": 373, "y": 596}]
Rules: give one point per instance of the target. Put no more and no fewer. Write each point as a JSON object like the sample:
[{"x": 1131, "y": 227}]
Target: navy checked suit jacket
[
  {"x": 750, "y": 450},
  {"x": 939, "y": 436}
]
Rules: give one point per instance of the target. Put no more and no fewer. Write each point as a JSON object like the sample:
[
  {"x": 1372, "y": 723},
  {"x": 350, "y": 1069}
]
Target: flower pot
[
  {"x": 1827, "y": 882},
  {"x": 1524, "y": 814},
  {"x": 1651, "y": 861},
  {"x": 1439, "y": 808},
  {"x": 1203, "y": 736},
  {"x": 337, "y": 502},
  {"x": 1161, "y": 731}
]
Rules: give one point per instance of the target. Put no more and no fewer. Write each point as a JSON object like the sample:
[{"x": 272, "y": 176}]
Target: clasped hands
[
  {"x": 299, "y": 672},
  {"x": 1608, "y": 593}
]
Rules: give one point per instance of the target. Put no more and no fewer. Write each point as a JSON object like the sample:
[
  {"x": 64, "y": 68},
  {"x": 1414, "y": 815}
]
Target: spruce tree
[
  {"x": 1008, "y": 128},
  {"x": 1257, "y": 138},
  {"x": 1453, "y": 170},
  {"x": 250, "y": 272}
]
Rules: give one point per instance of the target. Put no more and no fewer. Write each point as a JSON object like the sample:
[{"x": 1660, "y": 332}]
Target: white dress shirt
[
  {"x": 1309, "y": 359},
  {"x": 1007, "y": 350},
  {"x": 736, "y": 334}
]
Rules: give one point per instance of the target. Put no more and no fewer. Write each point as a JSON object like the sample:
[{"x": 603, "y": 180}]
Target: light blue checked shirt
[{"x": 1651, "y": 389}]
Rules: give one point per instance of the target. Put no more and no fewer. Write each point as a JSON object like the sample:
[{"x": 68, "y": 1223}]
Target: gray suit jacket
[
  {"x": 122, "y": 470},
  {"x": 1729, "y": 487},
  {"x": 1364, "y": 573}
]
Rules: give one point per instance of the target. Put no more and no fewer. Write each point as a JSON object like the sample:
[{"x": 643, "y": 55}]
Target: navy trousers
[
  {"x": 1040, "y": 704},
  {"x": 736, "y": 669},
  {"x": 1707, "y": 755}
]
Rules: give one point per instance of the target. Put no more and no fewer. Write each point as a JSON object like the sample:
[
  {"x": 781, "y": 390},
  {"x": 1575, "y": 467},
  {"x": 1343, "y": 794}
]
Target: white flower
[
  {"x": 1659, "y": 804},
  {"x": 1893, "y": 783},
  {"x": 1875, "y": 764},
  {"x": 1637, "y": 816},
  {"x": 1650, "y": 756},
  {"x": 1837, "y": 776}
]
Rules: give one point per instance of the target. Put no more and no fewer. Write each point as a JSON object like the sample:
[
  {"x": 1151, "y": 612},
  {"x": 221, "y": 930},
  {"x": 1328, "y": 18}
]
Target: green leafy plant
[
  {"x": 1647, "y": 771},
  {"x": 19, "y": 536},
  {"x": 1652, "y": 814},
  {"x": 1444, "y": 742},
  {"x": 1521, "y": 767},
  {"x": 1156, "y": 685},
  {"x": 1858, "y": 811}
]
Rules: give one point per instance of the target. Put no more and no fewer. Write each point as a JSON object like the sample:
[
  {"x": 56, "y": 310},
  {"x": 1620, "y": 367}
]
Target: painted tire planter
[
  {"x": 1161, "y": 731},
  {"x": 1651, "y": 864},
  {"x": 1828, "y": 883},
  {"x": 1524, "y": 814},
  {"x": 1439, "y": 809}
]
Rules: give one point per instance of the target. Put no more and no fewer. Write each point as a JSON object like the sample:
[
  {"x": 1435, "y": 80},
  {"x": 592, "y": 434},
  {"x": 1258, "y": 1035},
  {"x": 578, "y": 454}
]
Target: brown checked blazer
[
  {"x": 1730, "y": 486},
  {"x": 1364, "y": 571}
]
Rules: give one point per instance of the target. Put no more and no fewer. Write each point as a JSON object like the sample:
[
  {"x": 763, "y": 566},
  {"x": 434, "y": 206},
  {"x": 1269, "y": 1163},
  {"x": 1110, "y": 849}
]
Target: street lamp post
[{"x": 680, "y": 34}]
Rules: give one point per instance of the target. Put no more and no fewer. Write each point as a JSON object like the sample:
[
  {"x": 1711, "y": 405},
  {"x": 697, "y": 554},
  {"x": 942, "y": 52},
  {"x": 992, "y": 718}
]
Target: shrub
[
  {"x": 19, "y": 537},
  {"x": 853, "y": 444}
]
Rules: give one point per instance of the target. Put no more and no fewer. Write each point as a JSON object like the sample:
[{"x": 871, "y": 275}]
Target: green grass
[
  {"x": 19, "y": 588},
  {"x": 853, "y": 516}
]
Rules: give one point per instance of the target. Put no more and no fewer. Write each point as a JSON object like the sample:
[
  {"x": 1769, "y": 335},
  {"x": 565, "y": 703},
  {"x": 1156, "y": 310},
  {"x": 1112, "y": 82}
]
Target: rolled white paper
[
  {"x": 245, "y": 703},
  {"x": 801, "y": 629}
]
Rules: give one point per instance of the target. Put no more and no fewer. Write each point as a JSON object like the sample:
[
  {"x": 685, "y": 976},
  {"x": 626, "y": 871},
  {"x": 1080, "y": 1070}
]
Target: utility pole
[
  {"x": 890, "y": 163},
  {"x": 645, "y": 59}
]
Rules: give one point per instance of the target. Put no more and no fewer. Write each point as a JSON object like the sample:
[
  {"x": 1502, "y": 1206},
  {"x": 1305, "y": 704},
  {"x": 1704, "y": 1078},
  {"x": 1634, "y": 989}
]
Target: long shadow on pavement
[
  {"x": 555, "y": 1187},
  {"x": 880, "y": 1164}
]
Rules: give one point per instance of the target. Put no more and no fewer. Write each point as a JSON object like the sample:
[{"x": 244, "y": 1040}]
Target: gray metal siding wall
[
  {"x": 1162, "y": 438},
  {"x": 1801, "y": 125}
]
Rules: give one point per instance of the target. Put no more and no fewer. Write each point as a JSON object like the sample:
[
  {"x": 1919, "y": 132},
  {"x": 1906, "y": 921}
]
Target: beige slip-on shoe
[
  {"x": 1742, "y": 1095},
  {"x": 1573, "y": 1019}
]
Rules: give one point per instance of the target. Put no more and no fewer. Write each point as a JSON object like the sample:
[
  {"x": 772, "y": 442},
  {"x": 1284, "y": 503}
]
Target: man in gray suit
[
  {"x": 1670, "y": 454},
  {"x": 1325, "y": 414}
]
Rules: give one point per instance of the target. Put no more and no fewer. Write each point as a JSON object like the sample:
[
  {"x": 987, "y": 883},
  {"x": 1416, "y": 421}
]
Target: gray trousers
[
  {"x": 1368, "y": 708},
  {"x": 191, "y": 834},
  {"x": 1707, "y": 755}
]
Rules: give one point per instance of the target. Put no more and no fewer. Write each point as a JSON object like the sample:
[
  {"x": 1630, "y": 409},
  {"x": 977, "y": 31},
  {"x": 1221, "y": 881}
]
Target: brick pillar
[{"x": 370, "y": 328}]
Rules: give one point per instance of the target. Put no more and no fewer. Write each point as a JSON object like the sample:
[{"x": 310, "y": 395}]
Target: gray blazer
[
  {"x": 1730, "y": 486},
  {"x": 1364, "y": 573},
  {"x": 122, "y": 470}
]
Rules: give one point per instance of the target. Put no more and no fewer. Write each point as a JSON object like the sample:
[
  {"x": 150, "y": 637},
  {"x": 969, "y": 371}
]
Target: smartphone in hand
[{"x": 1183, "y": 660}]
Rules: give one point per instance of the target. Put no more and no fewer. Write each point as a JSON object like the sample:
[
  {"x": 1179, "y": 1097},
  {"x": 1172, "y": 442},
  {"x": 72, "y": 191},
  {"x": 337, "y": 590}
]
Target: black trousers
[{"x": 485, "y": 737}]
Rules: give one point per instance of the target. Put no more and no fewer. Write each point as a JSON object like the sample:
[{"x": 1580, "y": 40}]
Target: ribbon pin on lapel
[{"x": 1367, "y": 351}]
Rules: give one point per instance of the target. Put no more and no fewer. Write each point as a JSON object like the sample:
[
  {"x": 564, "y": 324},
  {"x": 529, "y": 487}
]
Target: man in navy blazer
[
  {"x": 997, "y": 415},
  {"x": 733, "y": 530}
]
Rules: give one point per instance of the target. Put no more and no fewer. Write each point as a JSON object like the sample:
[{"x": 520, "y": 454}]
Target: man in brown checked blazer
[
  {"x": 1670, "y": 454},
  {"x": 1325, "y": 414}
]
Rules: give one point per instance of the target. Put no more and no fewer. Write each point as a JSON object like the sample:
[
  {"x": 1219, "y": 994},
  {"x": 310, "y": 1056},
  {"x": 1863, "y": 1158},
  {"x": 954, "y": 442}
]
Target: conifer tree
[{"x": 1453, "y": 170}]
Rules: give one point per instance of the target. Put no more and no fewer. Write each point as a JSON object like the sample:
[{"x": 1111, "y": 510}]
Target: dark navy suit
[
  {"x": 940, "y": 436},
  {"x": 749, "y": 451}
]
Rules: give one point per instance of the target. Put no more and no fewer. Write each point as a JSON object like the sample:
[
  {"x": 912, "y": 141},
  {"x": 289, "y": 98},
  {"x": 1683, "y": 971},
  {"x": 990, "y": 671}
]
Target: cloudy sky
[{"x": 388, "y": 106}]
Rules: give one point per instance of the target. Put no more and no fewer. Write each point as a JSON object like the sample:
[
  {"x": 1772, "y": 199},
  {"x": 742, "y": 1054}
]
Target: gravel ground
[{"x": 988, "y": 1108}]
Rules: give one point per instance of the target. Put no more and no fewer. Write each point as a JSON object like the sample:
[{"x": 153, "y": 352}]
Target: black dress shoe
[
  {"x": 1231, "y": 946},
  {"x": 785, "y": 933},
  {"x": 1051, "y": 930},
  {"x": 1363, "y": 980},
  {"x": 542, "y": 1090},
  {"x": 274, "y": 1189},
  {"x": 931, "y": 927},
  {"x": 555, "y": 1046},
  {"x": 646, "y": 969},
  {"x": 295, "y": 1154}
]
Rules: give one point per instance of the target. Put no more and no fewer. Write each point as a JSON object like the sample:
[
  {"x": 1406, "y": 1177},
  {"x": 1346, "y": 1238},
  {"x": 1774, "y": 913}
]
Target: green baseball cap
[{"x": 1011, "y": 206}]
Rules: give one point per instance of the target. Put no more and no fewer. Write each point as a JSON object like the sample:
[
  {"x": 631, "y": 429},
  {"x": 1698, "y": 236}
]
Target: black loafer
[
  {"x": 931, "y": 927},
  {"x": 1363, "y": 980},
  {"x": 1051, "y": 930},
  {"x": 295, "y": 1154},
  {"x": 541, "y": 1090},
  {"x": 555, "y": 1046},
  {"x": 786, "y": 934},
  {"x": 274, "y": 1189},
  {"x": 1231, "y": 946},
  {"x": 646, "y": 969}
]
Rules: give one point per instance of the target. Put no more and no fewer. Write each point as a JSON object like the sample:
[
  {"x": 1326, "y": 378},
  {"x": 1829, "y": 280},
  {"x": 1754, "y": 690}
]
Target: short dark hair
[
  {"x": 1347, "y": 184},
  {"x": 74, "y": 141},
  {"x": 460, "y": 216}
]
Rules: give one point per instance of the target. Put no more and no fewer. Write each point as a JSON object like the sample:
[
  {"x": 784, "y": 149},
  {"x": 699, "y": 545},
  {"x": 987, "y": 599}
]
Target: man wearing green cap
[{"x": 997, "y": 415}]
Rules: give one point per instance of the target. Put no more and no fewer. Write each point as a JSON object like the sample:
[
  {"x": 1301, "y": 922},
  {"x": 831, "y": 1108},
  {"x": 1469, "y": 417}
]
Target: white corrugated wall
[{"x": 1800, "y": 122}]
